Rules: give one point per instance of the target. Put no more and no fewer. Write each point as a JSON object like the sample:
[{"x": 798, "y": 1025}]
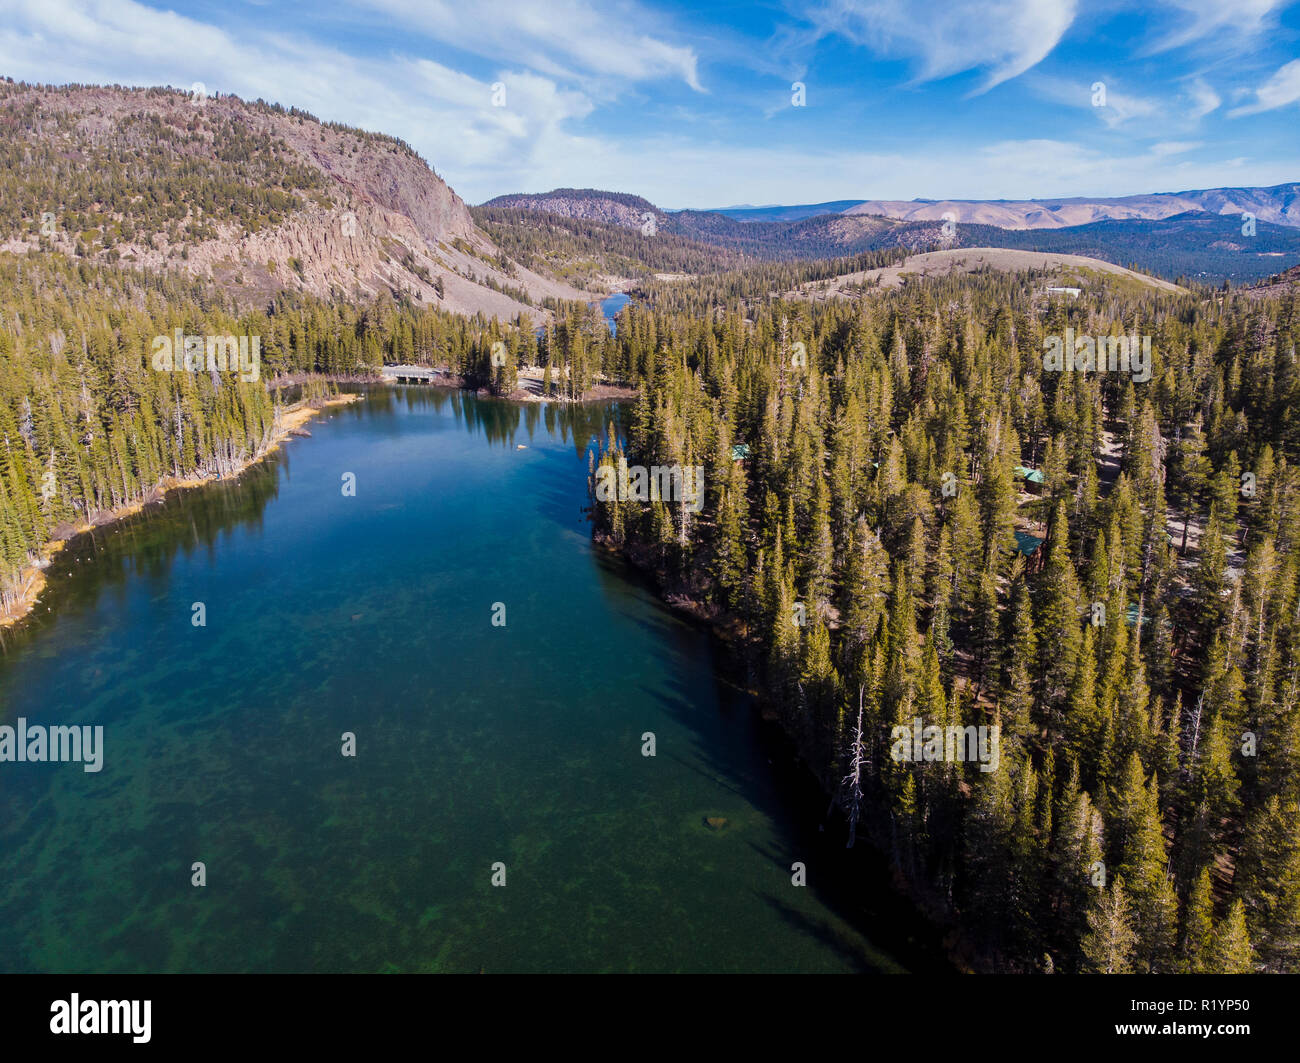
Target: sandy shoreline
[{"x": 32, "y": 577}]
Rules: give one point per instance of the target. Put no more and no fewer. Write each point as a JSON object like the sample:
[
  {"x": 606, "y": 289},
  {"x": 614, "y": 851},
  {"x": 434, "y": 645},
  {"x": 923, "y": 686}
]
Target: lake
[
  {"x": 518, "y": 744},
  {"x": 611, "y": 305}
]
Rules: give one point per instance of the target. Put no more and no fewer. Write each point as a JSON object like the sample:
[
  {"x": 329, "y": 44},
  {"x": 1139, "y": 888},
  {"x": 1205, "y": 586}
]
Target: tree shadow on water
[
  {"x": 819, "y": 929},
  {"x": 739, "y": 752}
]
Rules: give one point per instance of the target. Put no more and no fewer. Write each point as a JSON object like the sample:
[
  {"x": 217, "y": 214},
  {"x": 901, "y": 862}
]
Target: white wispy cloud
[
  {"x": 1120, "y": 107},
  {"x": 1176, "y": 111},
  {"x": 1002, "y": 38},
  {"x": 564, "y": 39},
  {"x": 1204, "y": 99},
  {"x": 1278, "y": 91},
  {"x": 1223, "y": 23}
]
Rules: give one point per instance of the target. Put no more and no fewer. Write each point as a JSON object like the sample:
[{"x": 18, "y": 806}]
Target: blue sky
[{"x": 692, "y": 105}]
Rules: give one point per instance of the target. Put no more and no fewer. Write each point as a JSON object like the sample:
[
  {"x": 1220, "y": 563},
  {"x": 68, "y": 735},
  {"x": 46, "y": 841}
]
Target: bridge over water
[{"x": 413, "y": 374}]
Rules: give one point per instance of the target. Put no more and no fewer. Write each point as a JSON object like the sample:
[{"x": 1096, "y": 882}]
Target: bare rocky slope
[
  {"x": 1285, "y": 283},
  {"x": 320, "y": 207}
]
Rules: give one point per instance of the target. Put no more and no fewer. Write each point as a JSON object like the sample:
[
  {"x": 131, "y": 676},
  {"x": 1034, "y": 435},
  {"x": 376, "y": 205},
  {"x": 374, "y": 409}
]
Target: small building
[
  {"x": 740, "y": 452},
  {"x": 1033, "y": 479},
  {"x": 1072, "y": 292},
  {"x": 1027, "y": 546},
  {"x": 1028, "y": 543}
]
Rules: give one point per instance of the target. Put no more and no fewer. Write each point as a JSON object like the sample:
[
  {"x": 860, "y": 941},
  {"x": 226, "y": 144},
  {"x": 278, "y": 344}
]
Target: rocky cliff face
[{"x": 256, "y": 197}]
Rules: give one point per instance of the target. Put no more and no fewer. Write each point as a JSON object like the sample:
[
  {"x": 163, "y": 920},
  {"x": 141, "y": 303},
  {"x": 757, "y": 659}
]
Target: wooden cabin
[{"x": 1031, "y": 479}]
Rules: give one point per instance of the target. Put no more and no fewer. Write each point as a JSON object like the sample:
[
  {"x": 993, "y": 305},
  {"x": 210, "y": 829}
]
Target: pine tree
[
  {"x": 1109, "y": 945},
  {"x": 1231, "y": 952},
  {"x": 1057, "y": 622},
  {"x": 1198, "y": 927}
]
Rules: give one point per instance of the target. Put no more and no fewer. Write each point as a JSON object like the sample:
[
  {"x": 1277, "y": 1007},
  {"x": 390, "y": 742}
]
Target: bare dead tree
[
  {"x": 1194, "y": 743},
  {"x": 853, "y": 780}
]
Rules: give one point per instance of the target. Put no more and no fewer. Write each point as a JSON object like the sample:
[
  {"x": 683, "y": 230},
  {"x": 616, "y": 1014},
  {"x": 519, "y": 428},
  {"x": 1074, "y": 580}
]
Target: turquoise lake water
[{"x": 476, "y": 744}]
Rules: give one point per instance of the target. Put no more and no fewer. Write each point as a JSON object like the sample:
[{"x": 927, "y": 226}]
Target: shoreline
[
  {"x": 944, "y": 931},
  {"x": 527, "y": 389},
  {"x": 599, "y": 392},
  {"x": 31, "y": 578}
]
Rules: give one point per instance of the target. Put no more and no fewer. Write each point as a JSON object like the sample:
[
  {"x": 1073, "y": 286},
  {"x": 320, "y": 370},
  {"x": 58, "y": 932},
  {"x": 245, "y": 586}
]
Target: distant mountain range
[
  {"x": 1279, "y": 204},
  {"x": 1199, "y": 235}
]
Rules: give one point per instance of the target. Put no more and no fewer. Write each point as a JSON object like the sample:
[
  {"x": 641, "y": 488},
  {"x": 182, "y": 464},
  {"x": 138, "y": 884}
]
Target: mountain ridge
[
  {"x": 256, "y": 197},
  {"x": 1278, "y": 204},
  {"x": 1194, "y": 243}
]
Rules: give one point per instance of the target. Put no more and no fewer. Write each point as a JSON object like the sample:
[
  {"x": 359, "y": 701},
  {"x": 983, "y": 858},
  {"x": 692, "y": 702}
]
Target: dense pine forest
[
  {"x": 585, "y": 251},
  {"x": 88, "y": 426},
  {"x": 871, "y": 550},
  {"x": 876, "y": 557}
]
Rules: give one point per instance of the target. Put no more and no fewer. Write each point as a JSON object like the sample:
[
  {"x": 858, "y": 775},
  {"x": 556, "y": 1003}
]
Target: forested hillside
[
  {"x": 826, "y": 236},
  {"x": 256, "y": 197},
  {"x": 876, "y": 557},
  {"x": 586, "y": 252},
  {"x": 87, "y": 425},
  {"x": 1209, "y": 248}
]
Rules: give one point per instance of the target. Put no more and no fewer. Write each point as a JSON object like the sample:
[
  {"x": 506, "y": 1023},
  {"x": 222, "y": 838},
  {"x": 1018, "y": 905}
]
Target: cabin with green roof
[
  {"x": 1033, "y": 478},
  {"x": 1027, "y": 543},
  {"x": 1027, "y": 546}
]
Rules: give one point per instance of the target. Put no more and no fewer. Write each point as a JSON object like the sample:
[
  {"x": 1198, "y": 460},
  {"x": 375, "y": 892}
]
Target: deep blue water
[{"x": 476, "y": 744}]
